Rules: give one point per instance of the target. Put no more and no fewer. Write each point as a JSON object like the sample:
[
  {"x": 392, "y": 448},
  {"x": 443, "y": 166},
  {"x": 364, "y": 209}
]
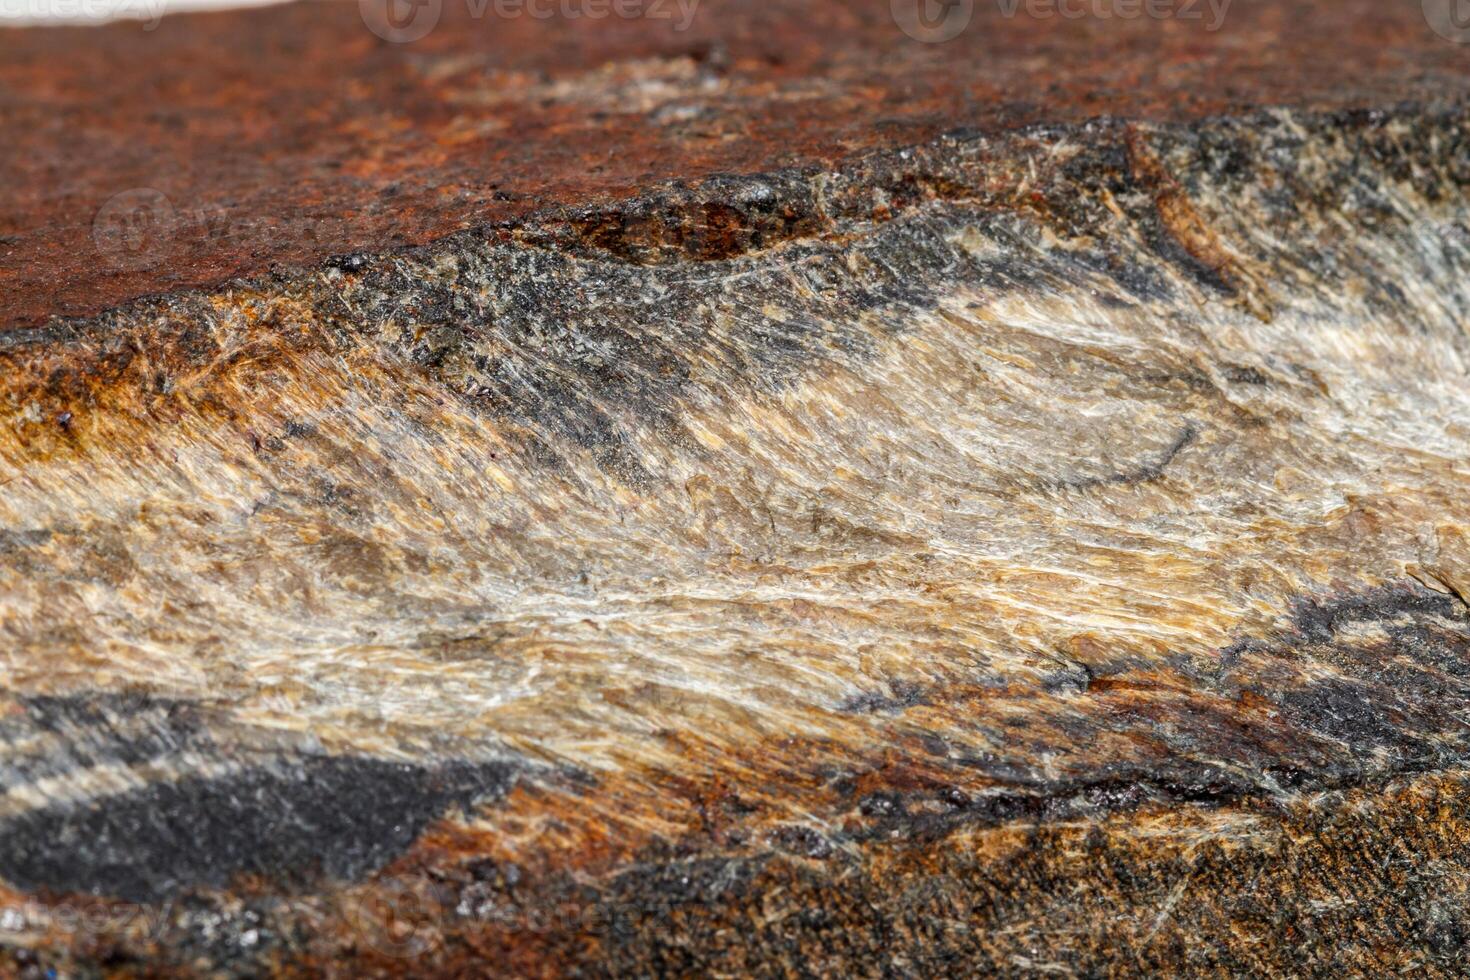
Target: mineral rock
[{"x": 774, "y": 495}]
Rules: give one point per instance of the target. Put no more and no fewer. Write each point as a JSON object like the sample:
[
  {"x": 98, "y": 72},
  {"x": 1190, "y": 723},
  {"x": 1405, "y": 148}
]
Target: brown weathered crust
[{"x": 284, "y": 135}]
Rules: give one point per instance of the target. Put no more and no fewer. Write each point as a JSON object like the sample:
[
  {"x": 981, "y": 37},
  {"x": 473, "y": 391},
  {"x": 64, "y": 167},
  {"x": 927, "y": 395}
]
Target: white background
[{"x": 19, "y": 12}]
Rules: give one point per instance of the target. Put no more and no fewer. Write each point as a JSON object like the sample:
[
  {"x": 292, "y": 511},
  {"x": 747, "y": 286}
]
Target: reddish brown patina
[{"x": 282, "y": 136}]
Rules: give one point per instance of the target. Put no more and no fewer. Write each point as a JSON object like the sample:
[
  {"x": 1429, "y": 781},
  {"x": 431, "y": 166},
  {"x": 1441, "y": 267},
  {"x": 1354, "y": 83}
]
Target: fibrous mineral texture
[{"x": 918, "y": 509}]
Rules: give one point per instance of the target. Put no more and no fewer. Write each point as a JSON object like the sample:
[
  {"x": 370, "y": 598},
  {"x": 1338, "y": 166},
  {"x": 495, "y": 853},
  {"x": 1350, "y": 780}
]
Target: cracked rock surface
[{"x": 1024, "y": 538}]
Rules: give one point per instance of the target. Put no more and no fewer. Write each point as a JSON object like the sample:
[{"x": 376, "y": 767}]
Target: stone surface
[
  {"x": 280, "y": 135},
  {"x": 996, "y": 513}
]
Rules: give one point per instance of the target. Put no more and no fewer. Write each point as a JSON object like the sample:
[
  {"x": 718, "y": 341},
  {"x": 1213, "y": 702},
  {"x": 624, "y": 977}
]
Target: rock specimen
[{"x": 778, "y": 496}]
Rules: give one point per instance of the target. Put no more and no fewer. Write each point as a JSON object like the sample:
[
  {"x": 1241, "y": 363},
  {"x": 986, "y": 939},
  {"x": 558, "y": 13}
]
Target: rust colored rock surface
[
  {"x": 777, "y": 497},
  {"x": 280, "y": 136}
]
